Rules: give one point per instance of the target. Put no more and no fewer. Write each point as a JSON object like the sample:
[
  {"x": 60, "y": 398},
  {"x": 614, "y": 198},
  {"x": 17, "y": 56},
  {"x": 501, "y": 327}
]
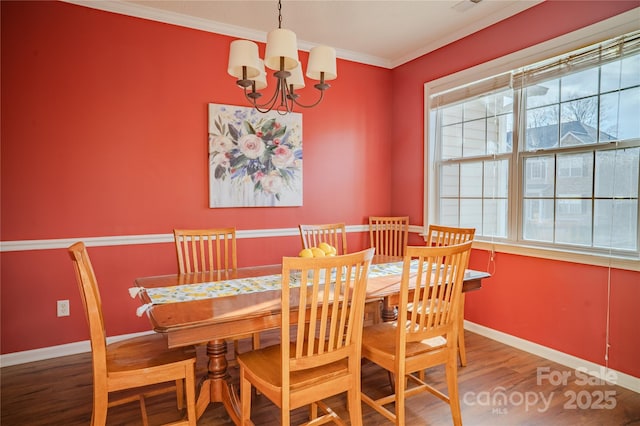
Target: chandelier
[{"x": 281, "y": 55}]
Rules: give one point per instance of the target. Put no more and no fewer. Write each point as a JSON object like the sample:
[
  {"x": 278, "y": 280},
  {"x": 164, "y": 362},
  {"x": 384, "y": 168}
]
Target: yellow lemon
[
  {"x": 305, "y": 253},
  {"x": 317, "y": 252},
  {"x": 326, "y": 248}
]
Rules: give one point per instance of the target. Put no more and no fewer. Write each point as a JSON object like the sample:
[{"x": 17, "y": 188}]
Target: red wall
[
  {"x": 556, "y": 304},
  {"x": 104, "y": 132}
]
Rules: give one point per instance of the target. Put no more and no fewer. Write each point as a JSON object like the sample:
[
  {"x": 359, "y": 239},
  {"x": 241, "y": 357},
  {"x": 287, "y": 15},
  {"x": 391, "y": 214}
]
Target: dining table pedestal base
[{"x": 216, "y": 386}]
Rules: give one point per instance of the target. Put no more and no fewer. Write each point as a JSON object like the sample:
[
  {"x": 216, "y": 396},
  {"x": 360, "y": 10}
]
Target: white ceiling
[{"x": 384, "y": 33}]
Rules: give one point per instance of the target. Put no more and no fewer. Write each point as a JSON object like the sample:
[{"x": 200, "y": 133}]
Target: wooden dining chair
[
  {"x": 389, "y": 234},
  {"x": 334, "y": 234},
  {"x": 200, "y": 250},
  {"x": 425, "y": 334},
  {"x": 438, "y": 235},
  {"x": 209, "y": 250},
  {"x": 322, "y": 356},
  {"x": 132, "y": 363}
]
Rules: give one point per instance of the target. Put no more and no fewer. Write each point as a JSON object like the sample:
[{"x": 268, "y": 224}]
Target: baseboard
[
  {"x": 23, "y": 357},
  {"x": 621, "y": 379}
]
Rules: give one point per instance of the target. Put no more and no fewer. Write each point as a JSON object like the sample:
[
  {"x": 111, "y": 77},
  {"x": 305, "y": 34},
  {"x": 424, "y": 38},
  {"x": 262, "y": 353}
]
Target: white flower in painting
[
  {"x": 282, "y": 157},
  {"x": 251, "y": 146},
  {"x": 272, "y": 183},
  {"x": 221, "y": 160},
  {"x": 219, "y": 143}
]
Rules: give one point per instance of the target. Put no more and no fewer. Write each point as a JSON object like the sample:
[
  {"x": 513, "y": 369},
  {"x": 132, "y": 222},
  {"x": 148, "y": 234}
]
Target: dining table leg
[
  {"x": 389, "y": 311},
  {"x": 217, "y": 386}
]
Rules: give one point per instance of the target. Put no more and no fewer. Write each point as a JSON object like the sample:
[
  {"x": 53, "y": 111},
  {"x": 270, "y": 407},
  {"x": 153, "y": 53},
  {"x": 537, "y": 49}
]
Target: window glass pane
[
  {"x": 449, "y": 212},
  {"x": 579, "y": 85},
  {"x": 474, "y": 109},
  {"x": 452, "y": 141},
  {"x": 471, "y": 214},
  {"x": 474, "y": 138},
  {"x": 539, "y": 176},
  {"x": 630, "y": 71},
  {"x": 541, "y": 94},
  {"x": 610, "y": 76},
  {"x": 619, "y": 112},
  {"x": 450, "y": 180},
  {"x": 575, "y": 175},
  {"x": 499, "y": 103},
  {"x": 579, "y": 122},
  {"x": 499, "y": 134},
  {"x": 538, "y": 220},
  {"x": 616, "y": 224},
  {"x": 451, "y": 114},
  {"x": 616, "y": 173},
  {"x": 573, "y": 221},
  {"x": 471, "y": 179},
  {"x": 620, "y": 74},
  {"x": 542, "y": 128},
  {"x": 494, "y": 223},
  {"x": 496, "y": 179}
]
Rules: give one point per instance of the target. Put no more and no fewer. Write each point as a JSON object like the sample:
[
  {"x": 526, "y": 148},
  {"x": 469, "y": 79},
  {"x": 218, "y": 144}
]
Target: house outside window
[{"x": 544, "y": 155}]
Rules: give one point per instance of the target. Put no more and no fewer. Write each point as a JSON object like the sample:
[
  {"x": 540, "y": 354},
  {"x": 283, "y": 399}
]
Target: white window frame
[{"x": 609, "y": 28}]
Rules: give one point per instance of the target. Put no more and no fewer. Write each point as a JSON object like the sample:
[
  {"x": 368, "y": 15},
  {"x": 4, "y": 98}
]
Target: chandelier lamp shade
[{"x": 281, "y": 56}]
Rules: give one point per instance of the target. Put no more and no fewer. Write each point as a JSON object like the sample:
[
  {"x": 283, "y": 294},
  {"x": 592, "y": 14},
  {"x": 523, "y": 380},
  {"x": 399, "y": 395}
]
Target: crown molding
[{"x": 173, "y": 18}]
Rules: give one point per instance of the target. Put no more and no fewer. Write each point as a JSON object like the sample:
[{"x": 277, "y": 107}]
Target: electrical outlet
[{"x": 63, "y": 308}]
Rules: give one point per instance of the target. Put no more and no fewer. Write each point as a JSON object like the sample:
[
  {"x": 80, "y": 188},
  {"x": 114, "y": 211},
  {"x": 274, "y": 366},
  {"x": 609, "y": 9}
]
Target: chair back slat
[
  {"x": 389, "y": 234},
  {"x": 431, "y": 310},
  {"x": 328, "y": 323},
  {"x": 334, "y": 234},
  {"x": 200, "y": 250}
]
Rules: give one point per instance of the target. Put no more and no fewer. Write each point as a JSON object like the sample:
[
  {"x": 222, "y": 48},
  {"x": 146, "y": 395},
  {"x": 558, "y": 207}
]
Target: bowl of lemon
[{"x": 322, "y": 250}]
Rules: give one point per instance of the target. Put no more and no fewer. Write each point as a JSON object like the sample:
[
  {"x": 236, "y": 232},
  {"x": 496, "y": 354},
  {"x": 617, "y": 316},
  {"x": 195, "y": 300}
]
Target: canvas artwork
[{"x": 255, "y": 159}]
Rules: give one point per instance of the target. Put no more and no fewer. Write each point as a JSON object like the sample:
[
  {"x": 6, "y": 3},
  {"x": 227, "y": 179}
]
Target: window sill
[{"x": 562, "y": 255}]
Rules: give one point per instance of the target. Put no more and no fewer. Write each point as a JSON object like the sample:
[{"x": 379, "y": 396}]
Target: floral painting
[{"x": 255, "y": 159}]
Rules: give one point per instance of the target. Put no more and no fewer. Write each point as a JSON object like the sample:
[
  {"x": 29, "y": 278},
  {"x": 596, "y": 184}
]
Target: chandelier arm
[
  {"x": 257, "y": 105},
  {"x": 311, "y": 105}
]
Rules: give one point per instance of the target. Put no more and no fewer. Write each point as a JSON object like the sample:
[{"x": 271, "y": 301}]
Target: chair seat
[
  {"x": 381, "y": 338},
  {"x": 146, "y": 351},
  {"x": 270, "y": 356}
]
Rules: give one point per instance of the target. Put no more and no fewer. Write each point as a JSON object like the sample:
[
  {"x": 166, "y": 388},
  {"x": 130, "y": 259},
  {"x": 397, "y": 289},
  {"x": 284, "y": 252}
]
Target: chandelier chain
[{"x": 279, "y": 13}]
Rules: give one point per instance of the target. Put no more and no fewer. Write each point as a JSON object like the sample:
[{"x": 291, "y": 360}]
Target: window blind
[
  {"x": 466, "y": 92},
  {"x": 587, "y": 57}
]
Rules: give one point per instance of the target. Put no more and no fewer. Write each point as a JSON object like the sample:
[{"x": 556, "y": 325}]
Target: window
[{"x": 546, "y": 154}]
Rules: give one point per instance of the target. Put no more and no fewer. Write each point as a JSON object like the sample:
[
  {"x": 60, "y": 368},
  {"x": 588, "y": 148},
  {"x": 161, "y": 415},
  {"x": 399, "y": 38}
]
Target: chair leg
[
  {"x": 245, "y": 398},
  {"x": 190, "y": 385},
  {"x": 461, "y": 349},
  {"x": 180, "y": 393},
  {"x": 285, "y": 415},
  {"x": 451, "y": 371},
  {"x": 143, "y": 409},
  {"x": 401, "y": 386},
  {"x": 100, "y": 404},
  {"x": 354, "y": 406}
]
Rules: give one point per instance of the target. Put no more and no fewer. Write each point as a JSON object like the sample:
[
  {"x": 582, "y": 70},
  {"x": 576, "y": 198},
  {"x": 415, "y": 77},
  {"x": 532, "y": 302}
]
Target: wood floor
[{"x": 500, "y": 386}]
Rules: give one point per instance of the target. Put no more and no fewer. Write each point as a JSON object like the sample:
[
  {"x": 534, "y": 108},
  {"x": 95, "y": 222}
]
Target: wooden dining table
[{"x": 212, "y": 320}]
